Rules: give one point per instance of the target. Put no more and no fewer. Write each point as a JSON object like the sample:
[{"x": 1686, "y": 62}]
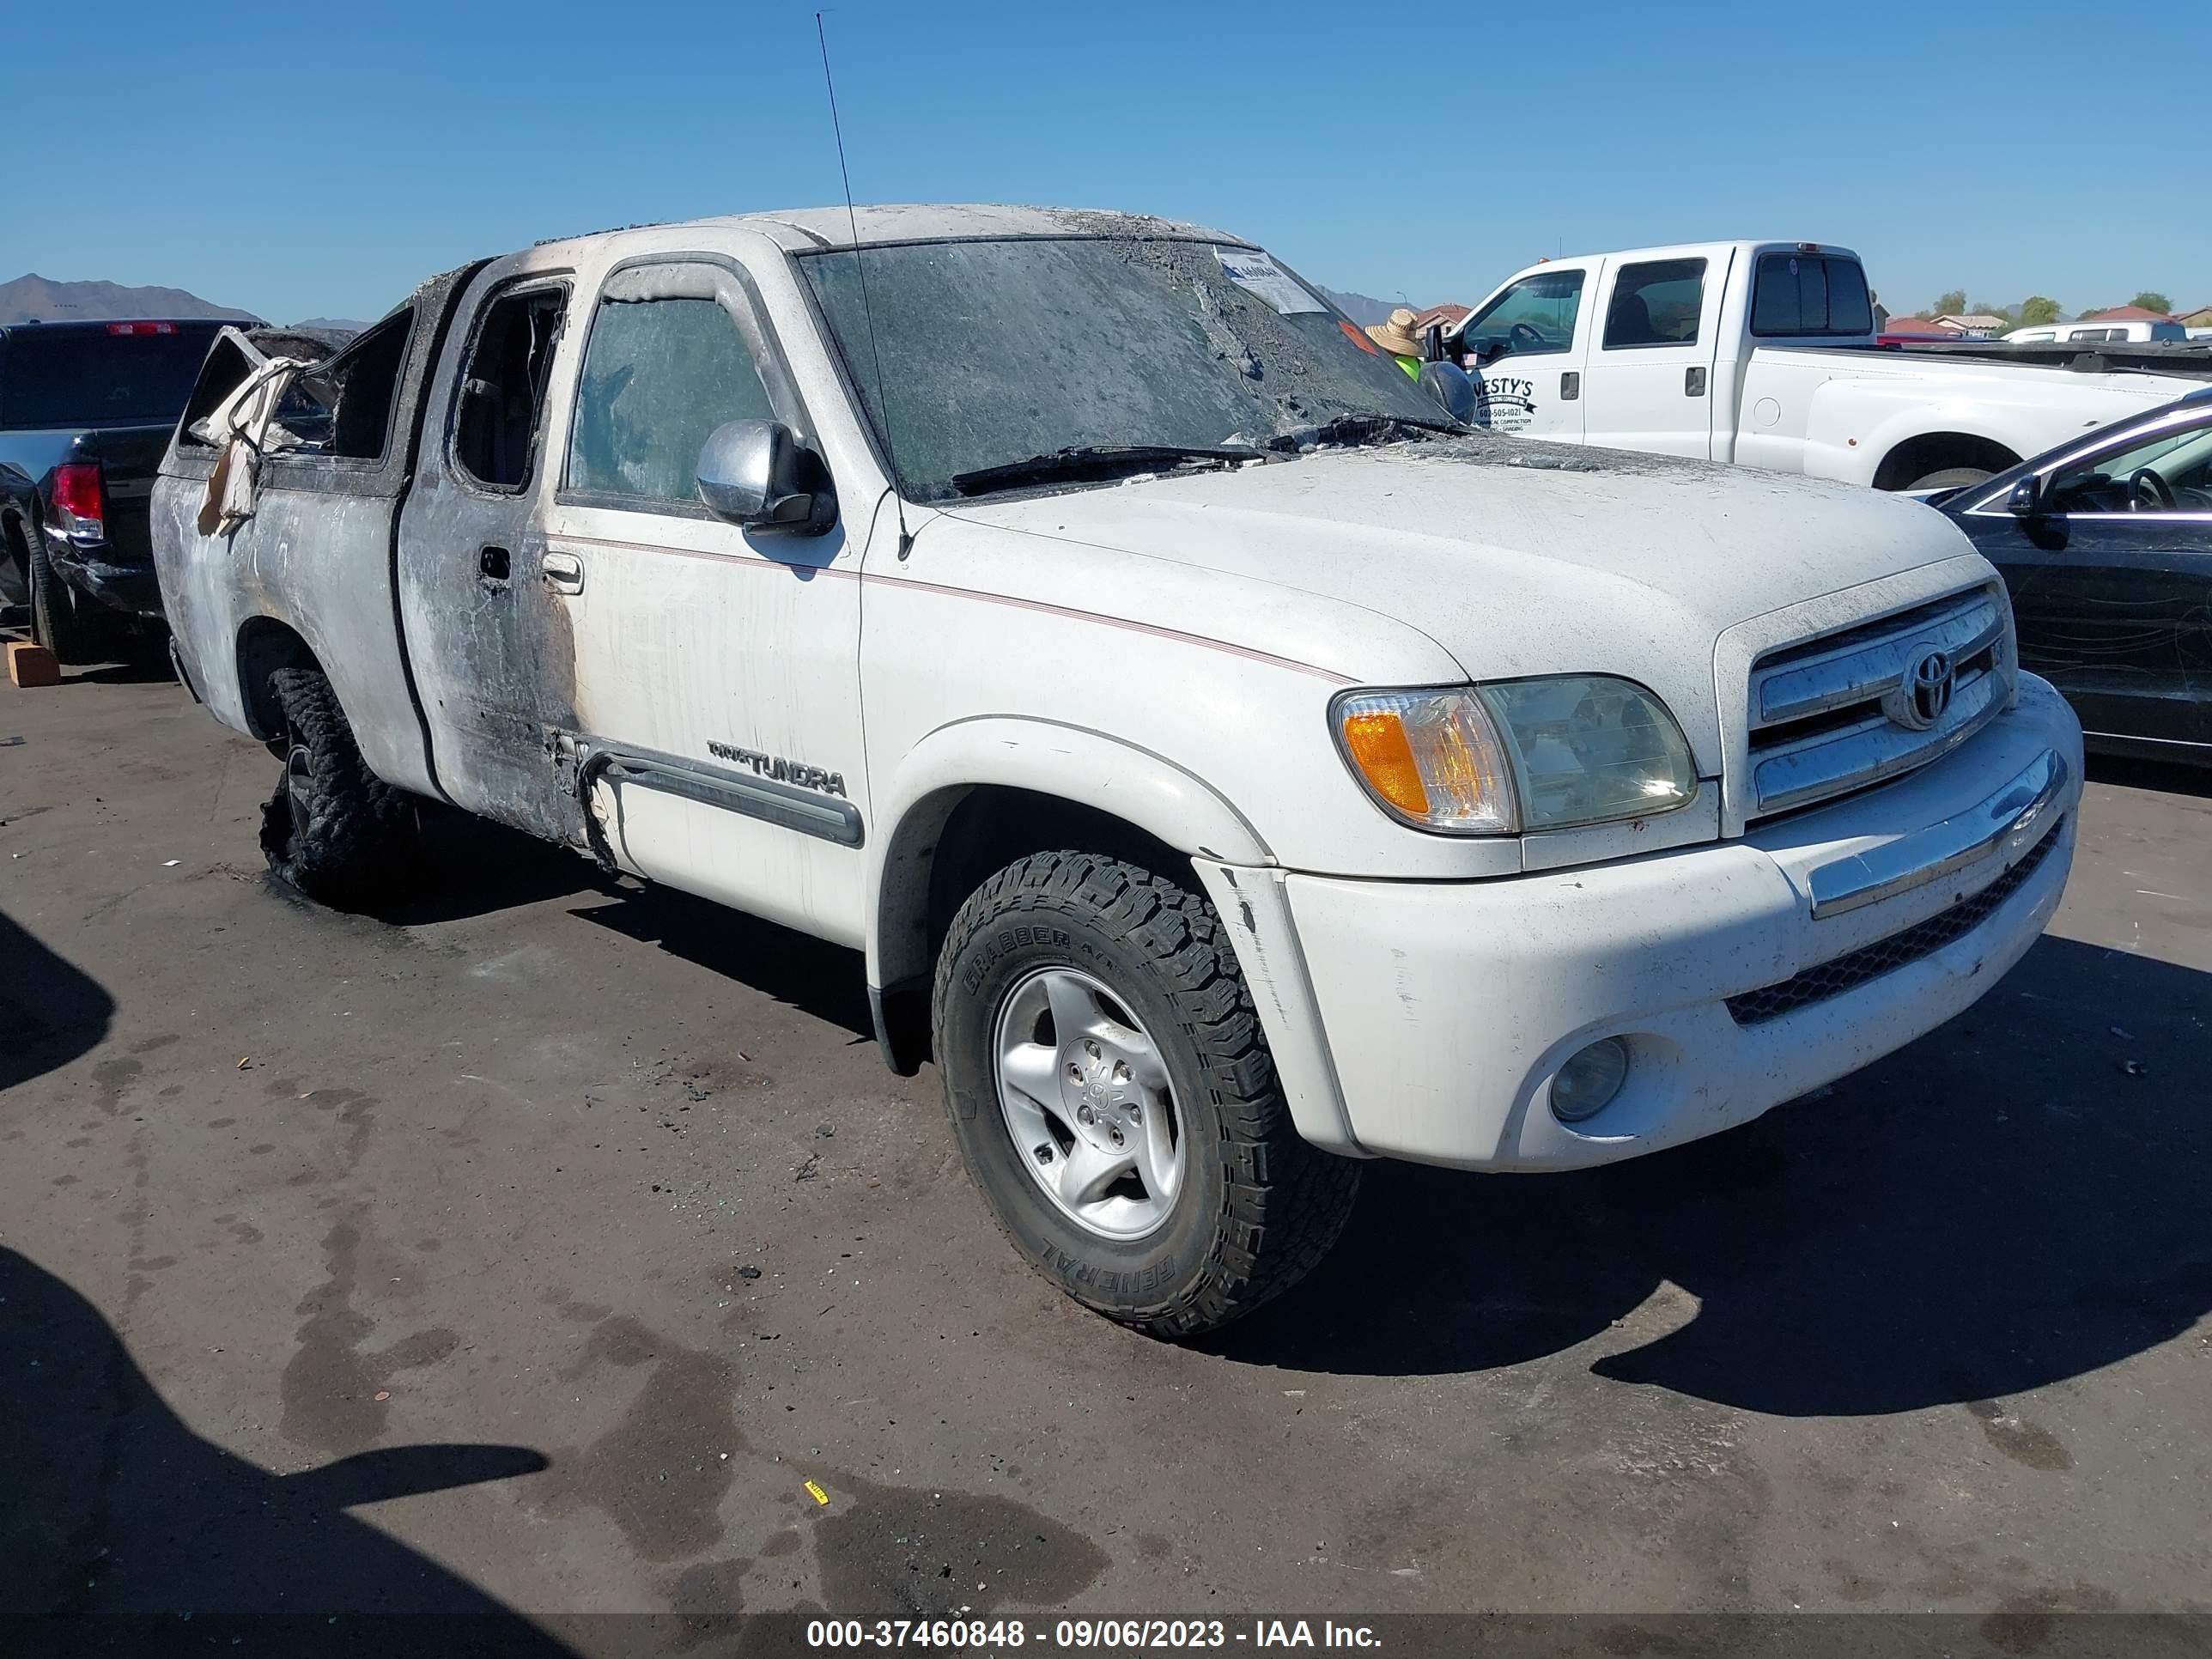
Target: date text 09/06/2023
[{"x": 988, "y": 1635}]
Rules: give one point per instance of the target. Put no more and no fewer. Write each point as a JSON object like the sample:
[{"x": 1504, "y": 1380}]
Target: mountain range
[{"x": 35, "y": 299}]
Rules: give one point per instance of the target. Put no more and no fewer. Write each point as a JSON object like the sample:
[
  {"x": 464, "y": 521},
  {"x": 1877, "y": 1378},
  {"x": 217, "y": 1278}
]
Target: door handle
[
  {"x": 563, "y": 571},
  {"x": 1694, "y": 382},
  {"x": 1571, "y": 386}
]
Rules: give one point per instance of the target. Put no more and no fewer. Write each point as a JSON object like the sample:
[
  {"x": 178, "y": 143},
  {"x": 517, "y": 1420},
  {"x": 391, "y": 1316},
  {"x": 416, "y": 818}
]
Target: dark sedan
[{"x": 2106, "y": 544}]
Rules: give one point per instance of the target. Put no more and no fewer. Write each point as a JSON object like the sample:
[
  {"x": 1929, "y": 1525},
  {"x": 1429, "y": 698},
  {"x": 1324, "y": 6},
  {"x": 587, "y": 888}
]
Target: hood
[{"x": 1520, "y": 558}]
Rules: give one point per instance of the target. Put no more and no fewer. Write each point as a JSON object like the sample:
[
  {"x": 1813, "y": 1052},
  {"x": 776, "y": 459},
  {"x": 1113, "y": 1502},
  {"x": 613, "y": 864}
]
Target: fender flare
[
  {"x": 1836, "y": 404},
  {"x": 1140, "y": 787},
  {"x": 1072, "y": 762}
]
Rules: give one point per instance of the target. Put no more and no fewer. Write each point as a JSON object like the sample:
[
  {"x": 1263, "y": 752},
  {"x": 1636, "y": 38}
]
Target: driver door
[
  {"x": 716, "y": 669},
  {"x": 1525, "y": 351},
  {"x": 2111, "y": 589}
]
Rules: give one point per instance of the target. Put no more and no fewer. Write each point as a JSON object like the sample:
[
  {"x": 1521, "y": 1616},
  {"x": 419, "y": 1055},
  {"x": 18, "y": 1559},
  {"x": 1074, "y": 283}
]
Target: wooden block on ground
[{"x": 31, "y": 664}]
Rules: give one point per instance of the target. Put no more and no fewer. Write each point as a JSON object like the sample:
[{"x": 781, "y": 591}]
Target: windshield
[
  {"x": 996, "y": 352},
  {"x": 121, "y": 375}
]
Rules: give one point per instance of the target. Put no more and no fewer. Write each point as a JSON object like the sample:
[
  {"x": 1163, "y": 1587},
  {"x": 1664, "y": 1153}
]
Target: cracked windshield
[{"x": 996, "y": 355}]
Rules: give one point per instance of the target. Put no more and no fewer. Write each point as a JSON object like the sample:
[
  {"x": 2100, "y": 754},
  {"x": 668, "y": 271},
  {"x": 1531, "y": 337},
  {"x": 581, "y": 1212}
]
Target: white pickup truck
[
  {"x": 1763, "y": 353},
  {"x": 1226, "y": 765}
]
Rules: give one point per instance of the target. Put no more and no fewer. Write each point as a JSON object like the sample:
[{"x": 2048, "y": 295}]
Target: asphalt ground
[{"x": 526, "y": 1251}]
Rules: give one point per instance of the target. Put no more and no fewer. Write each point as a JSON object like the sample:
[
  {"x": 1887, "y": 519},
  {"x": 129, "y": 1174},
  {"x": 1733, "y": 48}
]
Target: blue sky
[{"x": 318, "y": 161}]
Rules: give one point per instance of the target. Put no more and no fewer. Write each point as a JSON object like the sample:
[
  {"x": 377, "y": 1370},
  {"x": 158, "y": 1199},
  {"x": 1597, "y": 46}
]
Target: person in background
[{"x": 1396, "y": 338}]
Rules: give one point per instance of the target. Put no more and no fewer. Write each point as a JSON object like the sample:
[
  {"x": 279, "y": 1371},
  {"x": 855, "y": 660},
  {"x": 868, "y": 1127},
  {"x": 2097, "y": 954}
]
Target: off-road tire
[
  {"x": 1258, "y": 1207},
  {"x": 358, "y": 830},
  {"x": 1952, "y": 477},
  {"x": 57, "y": 611}
]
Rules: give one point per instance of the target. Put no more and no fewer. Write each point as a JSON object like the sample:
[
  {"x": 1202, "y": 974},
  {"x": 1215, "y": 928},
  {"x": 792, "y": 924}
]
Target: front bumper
[{"x": 1738, "y": 974}]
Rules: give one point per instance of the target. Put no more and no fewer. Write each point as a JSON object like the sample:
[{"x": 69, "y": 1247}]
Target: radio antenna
[{"x": 867, "y": 313}]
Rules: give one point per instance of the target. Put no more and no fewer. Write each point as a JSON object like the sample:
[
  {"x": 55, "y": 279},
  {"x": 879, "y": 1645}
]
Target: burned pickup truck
[
  {"x": 86, "y": 411},
  {"x": 1226, "y": 765}
]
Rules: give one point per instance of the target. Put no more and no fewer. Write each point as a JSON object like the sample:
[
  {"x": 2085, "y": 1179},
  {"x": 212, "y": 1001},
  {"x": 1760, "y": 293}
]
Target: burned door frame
[
  {"x": 485, "y": 631},
  {"x": 318, "y": 557}
]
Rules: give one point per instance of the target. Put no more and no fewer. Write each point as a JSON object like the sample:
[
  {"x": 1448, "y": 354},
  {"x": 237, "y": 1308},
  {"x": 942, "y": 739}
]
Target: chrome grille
[{"x": 1831, "y": 714}]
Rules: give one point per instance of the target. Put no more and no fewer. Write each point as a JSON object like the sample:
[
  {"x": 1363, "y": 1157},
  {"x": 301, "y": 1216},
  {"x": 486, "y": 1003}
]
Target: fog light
[{"x": 1586, "y": 1084}]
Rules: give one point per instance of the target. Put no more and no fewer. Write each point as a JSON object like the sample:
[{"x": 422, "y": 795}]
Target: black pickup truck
[{"x": 86, "y": 411}]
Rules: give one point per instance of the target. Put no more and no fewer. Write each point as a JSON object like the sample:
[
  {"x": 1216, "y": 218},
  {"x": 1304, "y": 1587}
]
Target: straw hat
[{"x": 1396, "y": 336}]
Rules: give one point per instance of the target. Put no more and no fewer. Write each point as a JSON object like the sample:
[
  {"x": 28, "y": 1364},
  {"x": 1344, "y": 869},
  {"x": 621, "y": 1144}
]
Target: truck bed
[{"x": 2192, "y": 360}]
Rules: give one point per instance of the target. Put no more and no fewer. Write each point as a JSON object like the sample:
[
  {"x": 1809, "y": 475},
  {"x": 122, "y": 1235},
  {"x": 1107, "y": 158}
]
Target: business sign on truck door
[{"x": 1505, "y": 403}]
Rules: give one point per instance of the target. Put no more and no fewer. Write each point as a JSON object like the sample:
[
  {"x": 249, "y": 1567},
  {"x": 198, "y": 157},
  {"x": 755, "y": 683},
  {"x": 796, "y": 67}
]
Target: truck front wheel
[
  {"x": 1115, "y": 1099},
  {"x": 333, "y": 831}
]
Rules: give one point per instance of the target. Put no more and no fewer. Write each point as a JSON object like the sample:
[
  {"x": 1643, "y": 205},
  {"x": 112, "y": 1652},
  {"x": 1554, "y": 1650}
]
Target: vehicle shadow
[
  {"x": 826, "y": 980},
  {"x": 2016, "y": 1199},
  {"x": 50, "y": 1013},
  {"x": 469, "y": 867},
  {"x": 112, "y": 1506}
]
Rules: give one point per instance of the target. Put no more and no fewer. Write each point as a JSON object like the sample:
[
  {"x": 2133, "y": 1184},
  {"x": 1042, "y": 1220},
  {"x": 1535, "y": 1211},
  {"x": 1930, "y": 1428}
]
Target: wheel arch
[
  {"x": 975, "y": 795},
  {"x": 265, "y": 646},
  {"x": 1918, "y": 455}
]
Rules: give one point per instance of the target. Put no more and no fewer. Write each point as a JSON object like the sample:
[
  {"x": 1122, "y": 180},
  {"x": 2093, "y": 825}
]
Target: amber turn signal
[
  {"x": 1430, "y": 757},
  {"x": 1375, "y": 740}
]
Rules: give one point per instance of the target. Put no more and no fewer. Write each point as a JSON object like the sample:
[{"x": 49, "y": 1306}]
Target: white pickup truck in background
[{"x": 1763, "y": 353}]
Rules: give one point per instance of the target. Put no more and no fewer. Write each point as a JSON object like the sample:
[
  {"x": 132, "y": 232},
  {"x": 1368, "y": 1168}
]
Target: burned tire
[
  {"x": 58, "y": 618},
  {"x": 333, "y": 831},
  {"x": 1951, "y": 477},
  {"x": 1115, "y": 1099}
]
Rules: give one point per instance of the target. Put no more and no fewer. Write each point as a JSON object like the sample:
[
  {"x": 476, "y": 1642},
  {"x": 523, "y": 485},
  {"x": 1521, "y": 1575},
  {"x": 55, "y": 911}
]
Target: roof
[
  {"x": 2197, "y": 318},
  {"x": 801, "y": 230},
  {"x": 1450, "y": 316},
  {"x": 2123, "y": 314},
  {"x": 1973, "y": 320},
  {"x": 1919, "y": 328},
  {"x": 1740, "y": 247}
]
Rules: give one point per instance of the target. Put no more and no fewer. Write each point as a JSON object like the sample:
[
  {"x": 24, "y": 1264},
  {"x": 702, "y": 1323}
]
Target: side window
[
  {"x": 501, "y": 400},
  {"x": 1810, "y": 293},
  {"x": 1535, "y": 315},
  {"x": 1656, "y": 303},
  {"x": 2169, "y": 473},
  {"x": 359, "y": 384},
  {"x": 659, "y": 376}
]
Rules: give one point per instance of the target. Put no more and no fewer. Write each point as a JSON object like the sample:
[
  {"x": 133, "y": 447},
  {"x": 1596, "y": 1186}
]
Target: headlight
[{"x": 1521, "y": 755}]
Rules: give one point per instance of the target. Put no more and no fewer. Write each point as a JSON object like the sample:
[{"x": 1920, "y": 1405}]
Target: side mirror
[
  {"x": 2026, "y": 499},
  {"x": 1452, "y": 386},
  {"x": 757, "y": 474}
]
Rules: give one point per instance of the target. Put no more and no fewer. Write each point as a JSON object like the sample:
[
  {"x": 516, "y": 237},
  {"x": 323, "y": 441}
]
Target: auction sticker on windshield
[{"x": 1257, "y": 273}]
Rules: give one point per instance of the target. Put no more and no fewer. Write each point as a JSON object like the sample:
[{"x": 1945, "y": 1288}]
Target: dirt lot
[{"x": 593, "y": 1215}]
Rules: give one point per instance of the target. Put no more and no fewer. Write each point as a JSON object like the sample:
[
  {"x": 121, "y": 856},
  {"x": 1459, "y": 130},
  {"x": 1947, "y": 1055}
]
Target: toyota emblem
[{"x": 1923, "y": 691}]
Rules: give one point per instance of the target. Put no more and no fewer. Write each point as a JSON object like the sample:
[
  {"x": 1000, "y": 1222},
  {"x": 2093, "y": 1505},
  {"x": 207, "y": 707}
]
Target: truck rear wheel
[
  {"x": 333, "y": 831},
  {"x": 59, "y": 621},
  {"x": 1115, "y": 1099},
  {"x": 1951, "y": 477}
]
